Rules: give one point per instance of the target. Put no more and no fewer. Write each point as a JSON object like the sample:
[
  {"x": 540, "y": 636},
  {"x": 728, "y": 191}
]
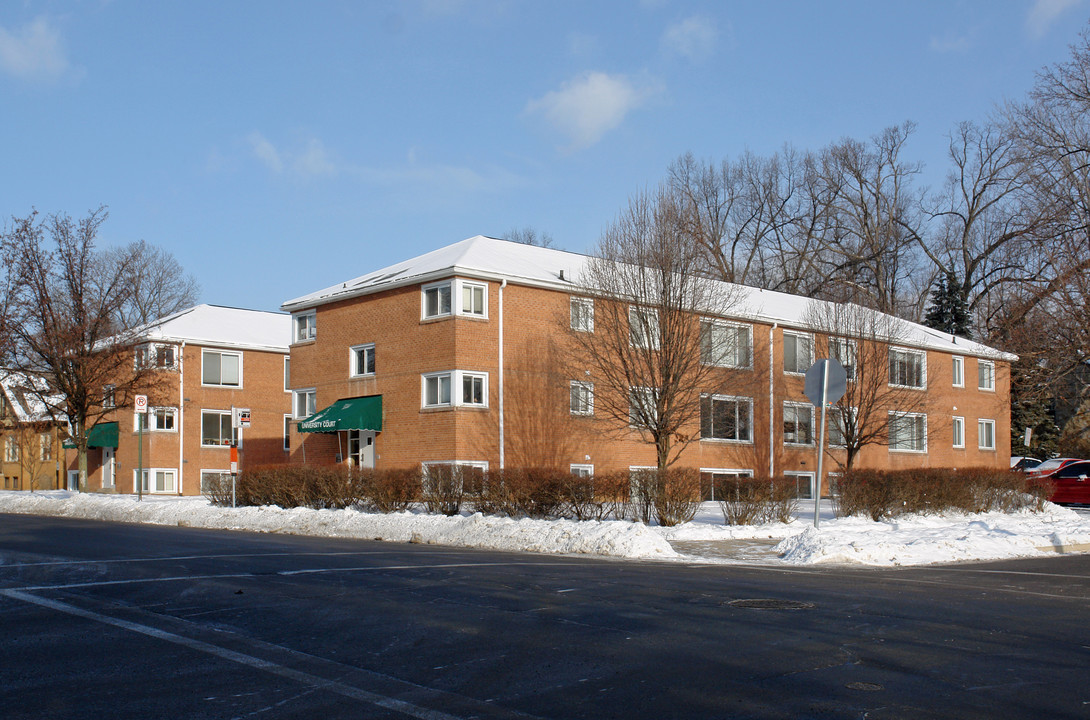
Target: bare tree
[
  {"x": 649, "y": 296},
  {"x": 529, "y": 236},
  {"x": 885, "y": 378},
  {"x": 160, "y": 286},
  {"x": 66, "y": 330}
]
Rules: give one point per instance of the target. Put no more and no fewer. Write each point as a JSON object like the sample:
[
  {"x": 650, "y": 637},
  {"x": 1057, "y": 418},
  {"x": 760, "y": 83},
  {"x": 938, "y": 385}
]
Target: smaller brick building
[
  {"x": 30, "y": 439},
  {"x": 208, "y": 360}
]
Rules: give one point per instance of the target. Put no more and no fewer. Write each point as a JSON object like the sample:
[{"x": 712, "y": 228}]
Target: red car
[
  {"x": 1050, "y": 466},
  {"x": 1072, "y": 483}
]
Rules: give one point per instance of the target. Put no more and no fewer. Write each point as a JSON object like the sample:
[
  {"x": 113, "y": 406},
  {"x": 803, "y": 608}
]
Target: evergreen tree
[
  {"x": 949, "y": 311},
  {"x": 1032, "y": 407}
]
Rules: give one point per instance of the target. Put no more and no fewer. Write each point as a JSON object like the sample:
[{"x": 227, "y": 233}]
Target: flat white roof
[{"x": 492, "y": 259}]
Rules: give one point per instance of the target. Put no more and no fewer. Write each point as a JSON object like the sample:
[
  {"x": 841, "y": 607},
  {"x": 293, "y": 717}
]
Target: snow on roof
[
  {"x": 492, "y": 259},
  {"x": 25, "y": 393},
  {"x": 223, "y": 326}
]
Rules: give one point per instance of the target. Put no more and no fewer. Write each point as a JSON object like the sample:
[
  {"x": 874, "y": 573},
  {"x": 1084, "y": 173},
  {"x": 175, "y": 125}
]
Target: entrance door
[
  {"x": 361, "y": 448},
  {"x": 73, "y": 480},
  {"x": 107, "y": 468}
]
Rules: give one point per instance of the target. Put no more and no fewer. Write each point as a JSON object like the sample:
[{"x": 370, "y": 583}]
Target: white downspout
[
  {"x": 503, "y": 284},
  {"x": 181, "y": 418},
  {"x": 772, "y": 401}
]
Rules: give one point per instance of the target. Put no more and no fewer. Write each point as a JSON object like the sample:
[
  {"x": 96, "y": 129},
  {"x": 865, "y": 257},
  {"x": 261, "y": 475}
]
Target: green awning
[
  {"x": 362, "y": 413},
  {"x": 101, "y": 435}
]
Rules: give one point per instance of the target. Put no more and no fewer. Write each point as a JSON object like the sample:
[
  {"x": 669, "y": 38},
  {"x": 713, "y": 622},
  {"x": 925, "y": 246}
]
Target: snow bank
[
  {"x": 910, "y": 540},
  {"x": 615, "y": 539}
]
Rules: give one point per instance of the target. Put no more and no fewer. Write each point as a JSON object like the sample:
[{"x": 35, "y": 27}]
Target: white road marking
[{"x": 314, "y": 681}]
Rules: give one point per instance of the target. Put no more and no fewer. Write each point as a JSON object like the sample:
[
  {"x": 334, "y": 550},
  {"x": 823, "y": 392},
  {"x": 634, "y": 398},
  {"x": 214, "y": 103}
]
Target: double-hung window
[
  {"x": 907, "y": 368},
  {"x": 304, "y": 403},
  {"x": 582, "y": 398},
  {"x": 725, "y": 344},
  {"x": 582, "y": 314},
  {"x": 455, "y": 387},
  {"x": 306, "y": 326},
  {"x": 362, "y": 360},
  {"x": 798, "y": 352},
  {"x": 643, "y": 328},
  {"x": 907, "y": 432},
  {"x": 985, "y": 370},
  {"x": 45, "y": 441},
  {"x": 958, "y": 432},
  {"x": 985, "y": 434},
  {"x": 958, "y": 370},
  {"x": 841, "y": 425},
  {"x": 642, "y": 407},
  {"x": 216, "y": 428},
  {"x": 109, "y": 396},
  {"x": 843, "y": 350},
  {"x": 726, "y": 418},
  {"x": 221, "y": 369},
  {"x": 798, "y": 424}
]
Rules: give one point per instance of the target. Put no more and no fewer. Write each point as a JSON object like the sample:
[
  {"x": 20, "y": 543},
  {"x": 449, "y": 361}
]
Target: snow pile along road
[
  {"x": 616, "y": 539},
  {"x": 908, "y": 540}
]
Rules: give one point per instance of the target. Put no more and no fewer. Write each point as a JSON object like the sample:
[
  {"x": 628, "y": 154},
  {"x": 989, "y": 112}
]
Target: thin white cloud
[
  {"x": 1044, "y": 13},
  {"x": 694, "y": 37},
  {"x": 266, "y": 152},
  {"x": 309, "y": 162},
  {"x": 586, "y": 108},
  {"x": 34, "y": 52}
]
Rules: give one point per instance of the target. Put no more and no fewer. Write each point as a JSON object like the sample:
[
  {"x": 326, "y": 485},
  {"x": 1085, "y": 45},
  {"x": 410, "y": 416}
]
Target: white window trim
[
  {"x": 311, "y": 316},
  {"x": 153, "y": 348},
  {"x": 589, "y": 387},
  {"x": 730, "y": 398},
  {"x": 221, "y": 353},
  {"x": 921, "y": 451},
  {"x": 715, "y": 322},
  {"x": 237, "y": 432},
  {"x": 287, "y": 436},
  {"x": 798, "y": 475},
  {"x": 745, "y": 472},
  {"x": 456, "y": 286},
  {"x": 830, "y": 419},
  {"x": 653, "y": 392},
  {"x": 200, "y": 475},
  {"x": 462, "y": 285},
  {"x": 851, "y": 343},
  {"x": 581, "y": 466},
  {"x": 923, "y": 368},
  {"x": 352, "y": 360},
  {"x": 991, "y": 375},
  {"x": 151, "y": 474},
  {"x": 959, "y": 362},
  {"x": 295, "y": 402},
  {"x": 813, "y": 421},
  {"x": 654, "y": 342},
  {"x": 456, "y": 399},
  {"x": 287, "y": 373},
  {"x": 798, "y": 334},
  {"x": 148, "y": 426},
  {"x": 956, "y": 421},
  {"x": 588, "y": 305},
  {"x": 981, "y": 423}
]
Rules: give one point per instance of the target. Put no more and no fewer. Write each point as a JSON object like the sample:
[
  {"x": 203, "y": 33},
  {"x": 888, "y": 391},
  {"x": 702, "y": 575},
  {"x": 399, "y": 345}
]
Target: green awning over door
[
  {"x": 363, "y": 413},
  {"x": 101, "y": 435}
]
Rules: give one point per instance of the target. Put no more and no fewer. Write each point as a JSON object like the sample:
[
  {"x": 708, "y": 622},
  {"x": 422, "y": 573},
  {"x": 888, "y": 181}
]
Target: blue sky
[{"x": 277, "y": 148}]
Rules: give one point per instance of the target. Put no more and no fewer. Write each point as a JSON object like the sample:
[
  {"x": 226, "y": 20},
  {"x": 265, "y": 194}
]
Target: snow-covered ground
[{"x": 913, "y": 540}]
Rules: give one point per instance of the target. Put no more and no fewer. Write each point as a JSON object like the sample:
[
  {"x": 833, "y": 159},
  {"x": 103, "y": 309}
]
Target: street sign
[
  {"x": 835, "y": 383},
  {"x": 141, "y": 403},
  {"x": 241, "y": 417},
  {"x": 826, "y": 382}
]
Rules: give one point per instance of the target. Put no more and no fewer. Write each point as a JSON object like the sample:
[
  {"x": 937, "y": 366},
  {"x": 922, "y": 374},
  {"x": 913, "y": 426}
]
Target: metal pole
[
  {"x": 821, "y": 443},
  {"x": 140, "y": 457}
]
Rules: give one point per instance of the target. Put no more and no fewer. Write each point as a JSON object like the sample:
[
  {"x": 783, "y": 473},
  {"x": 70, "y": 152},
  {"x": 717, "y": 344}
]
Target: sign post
[
  {"x": 240, "y": 418},
  {"x": 141, "y": 411},
  {"x": 826, "y": 382}
]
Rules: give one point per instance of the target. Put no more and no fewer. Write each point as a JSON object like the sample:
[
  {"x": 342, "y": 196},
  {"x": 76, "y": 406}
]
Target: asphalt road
[{"x": 122, "y": 621}]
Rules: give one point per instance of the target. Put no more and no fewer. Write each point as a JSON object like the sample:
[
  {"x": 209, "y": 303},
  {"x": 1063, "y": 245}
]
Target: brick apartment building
[
  {"x": 445, "y": 358},
  {"x": 30, "y": 439},
  {"x": 207, "y": 360}
]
